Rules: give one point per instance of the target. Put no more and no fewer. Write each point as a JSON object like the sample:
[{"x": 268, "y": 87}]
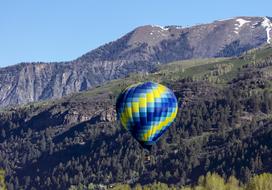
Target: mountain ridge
[{"x": 141, "y": 50}]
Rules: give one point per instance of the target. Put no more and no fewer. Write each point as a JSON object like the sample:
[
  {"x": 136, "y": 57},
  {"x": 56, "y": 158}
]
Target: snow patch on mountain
[
  {"x": 161, "y": 27},
  {"x": 240, "y": 23},
  {"x": 226, "y": 19},
  {"x": 254, "y": 25},
  {"x": 268, "y": 27}
]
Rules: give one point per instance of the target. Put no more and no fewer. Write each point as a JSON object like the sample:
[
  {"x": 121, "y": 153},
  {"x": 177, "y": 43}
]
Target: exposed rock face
[
  {"x": 108, "y": 115},
  {"x": 138, "y": 51}
]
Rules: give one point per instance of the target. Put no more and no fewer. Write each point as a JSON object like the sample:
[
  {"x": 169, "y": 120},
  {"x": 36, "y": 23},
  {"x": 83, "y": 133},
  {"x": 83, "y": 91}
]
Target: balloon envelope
[{"x": 147, "y": 111}]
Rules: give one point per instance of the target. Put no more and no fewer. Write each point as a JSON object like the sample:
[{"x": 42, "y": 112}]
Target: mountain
[
  {"x": 223, "y": 126},
  {"x": 141, "y": 50}
]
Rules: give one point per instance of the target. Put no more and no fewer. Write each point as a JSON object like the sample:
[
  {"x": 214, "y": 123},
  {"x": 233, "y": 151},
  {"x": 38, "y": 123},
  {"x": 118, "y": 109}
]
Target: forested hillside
[{"x": 223, "y": 126}]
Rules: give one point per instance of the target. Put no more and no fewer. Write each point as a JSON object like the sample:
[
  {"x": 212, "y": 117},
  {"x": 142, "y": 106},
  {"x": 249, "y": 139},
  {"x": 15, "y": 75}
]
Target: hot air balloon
[{"x": 146, "y": 110}]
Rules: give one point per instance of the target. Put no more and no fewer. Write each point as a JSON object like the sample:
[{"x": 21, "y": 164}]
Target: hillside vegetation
[
  {"x": 223, "y": 126},
  {"x": 2, "y": 180},
  {"x": 208, "y": 182}
]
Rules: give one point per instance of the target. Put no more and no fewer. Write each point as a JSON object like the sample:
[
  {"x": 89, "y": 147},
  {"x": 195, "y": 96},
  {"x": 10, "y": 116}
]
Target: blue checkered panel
[{"x": 147, "y": 110}]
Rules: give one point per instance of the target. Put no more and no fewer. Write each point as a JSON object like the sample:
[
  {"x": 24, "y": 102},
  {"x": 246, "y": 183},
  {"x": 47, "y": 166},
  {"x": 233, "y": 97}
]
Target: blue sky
[{"x": 59, "y": 30}]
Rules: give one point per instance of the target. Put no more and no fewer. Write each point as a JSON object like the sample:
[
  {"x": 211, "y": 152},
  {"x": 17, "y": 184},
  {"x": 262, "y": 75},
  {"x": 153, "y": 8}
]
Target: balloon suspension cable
[{"x": 147, "y": 154}]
